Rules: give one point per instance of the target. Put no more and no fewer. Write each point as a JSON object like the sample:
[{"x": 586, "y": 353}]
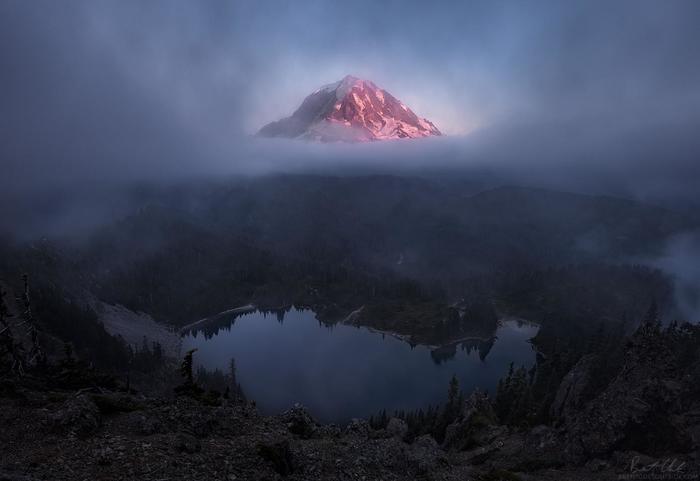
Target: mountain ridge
[{"x": 351, "y": 110}]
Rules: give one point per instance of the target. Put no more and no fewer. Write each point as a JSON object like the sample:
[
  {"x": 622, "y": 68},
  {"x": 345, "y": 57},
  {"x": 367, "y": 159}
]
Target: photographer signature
[{"x": 667, "y": 465}]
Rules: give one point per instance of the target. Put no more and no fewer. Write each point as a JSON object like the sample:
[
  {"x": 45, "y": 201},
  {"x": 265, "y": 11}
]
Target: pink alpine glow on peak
[{"x": 351, "y": 110}]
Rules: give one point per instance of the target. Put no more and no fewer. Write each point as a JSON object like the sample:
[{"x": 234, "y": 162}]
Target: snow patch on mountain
[{"x": 351, "y": 110}]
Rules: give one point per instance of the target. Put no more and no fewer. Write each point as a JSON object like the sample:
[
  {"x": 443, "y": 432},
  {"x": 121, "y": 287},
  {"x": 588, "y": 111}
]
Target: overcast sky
[{"x": 99, "y": 89}]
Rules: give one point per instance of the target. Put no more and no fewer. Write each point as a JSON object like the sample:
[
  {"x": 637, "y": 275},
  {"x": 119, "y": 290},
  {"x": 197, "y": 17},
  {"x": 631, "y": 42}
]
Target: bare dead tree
[
  {"x": 36, "y": 353},
  {"x": 8, "y": 346}
]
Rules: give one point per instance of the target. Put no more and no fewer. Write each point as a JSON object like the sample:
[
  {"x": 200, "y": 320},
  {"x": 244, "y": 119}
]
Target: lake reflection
[{"x": 340, "y": 372}]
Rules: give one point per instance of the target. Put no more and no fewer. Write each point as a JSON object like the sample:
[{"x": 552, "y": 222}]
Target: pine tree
[
  {"x": 504, "y": 394},
  {"x": 652, "y": 321},
  {"x": 453, "y": 391},
  {"x": 232, "y": 372},
  {"x": 514, "y": 401},
  {"x": 186, "y": 367},
  {"x": 157, "y": 352}
]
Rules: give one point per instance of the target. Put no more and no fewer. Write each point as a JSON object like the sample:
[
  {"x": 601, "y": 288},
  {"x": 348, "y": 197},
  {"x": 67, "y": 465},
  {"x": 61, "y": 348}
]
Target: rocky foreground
[
  {"x": 63, "y": 421},
  {"x": 61, "y": 435},
  {"x": 54, "y": 429}
]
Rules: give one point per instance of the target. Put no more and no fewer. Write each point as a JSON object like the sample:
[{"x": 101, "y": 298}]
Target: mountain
[{"x": 351, "y": 110}]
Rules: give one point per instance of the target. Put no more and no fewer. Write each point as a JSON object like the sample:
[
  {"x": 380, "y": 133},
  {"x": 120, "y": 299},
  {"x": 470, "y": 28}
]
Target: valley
[{"x": 359, "y": 297}]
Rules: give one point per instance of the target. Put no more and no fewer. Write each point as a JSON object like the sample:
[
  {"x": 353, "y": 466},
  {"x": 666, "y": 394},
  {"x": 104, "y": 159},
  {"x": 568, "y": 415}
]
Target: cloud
[
  {"x": 680, "y": 260},
  {"x": 97, "y": 91}
]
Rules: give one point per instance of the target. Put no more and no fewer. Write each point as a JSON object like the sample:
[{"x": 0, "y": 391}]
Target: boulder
[
  {"x": 358, "y": 427},
  {"x": 147, "y": 425},
  {"x": 186, "y": 443},
  {"x": 279, "y": 455},
  {"x": 79, "y": 415},
  {"x": 425, "y": 456},
  {"x": 300, "y": 422},
  {"x": 6, "y": 476},
  {"x": 397, "y": 428},
  {"x": 110, "y": 403},
  {"x": 476, "y": 425}
]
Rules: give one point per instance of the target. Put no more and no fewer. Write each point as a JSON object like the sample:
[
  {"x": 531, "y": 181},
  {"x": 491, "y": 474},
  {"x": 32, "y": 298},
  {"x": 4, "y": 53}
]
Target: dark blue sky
[{"x": 103, "y": 88}]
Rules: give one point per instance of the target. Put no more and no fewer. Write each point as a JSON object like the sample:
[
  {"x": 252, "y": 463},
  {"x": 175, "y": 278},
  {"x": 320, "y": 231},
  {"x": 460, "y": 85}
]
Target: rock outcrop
[
  {"x": 643, "y": 407},
  {"x": 569, "y": 397}
]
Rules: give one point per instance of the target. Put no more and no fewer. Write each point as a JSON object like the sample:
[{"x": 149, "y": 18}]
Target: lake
[{"x": 339, "y": 372}]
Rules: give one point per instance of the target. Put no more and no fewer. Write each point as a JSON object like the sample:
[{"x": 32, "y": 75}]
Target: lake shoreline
[
  {"x": 351, "y": 320},
  {"x": 341, "y": 371}
]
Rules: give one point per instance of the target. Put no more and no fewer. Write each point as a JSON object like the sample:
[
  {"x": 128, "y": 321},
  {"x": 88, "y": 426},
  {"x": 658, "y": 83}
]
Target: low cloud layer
[{"x": 555, "y": 93}]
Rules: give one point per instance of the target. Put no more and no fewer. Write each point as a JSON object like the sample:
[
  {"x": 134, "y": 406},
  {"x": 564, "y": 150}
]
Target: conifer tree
[
  {"x": 186, "y": 367},
  {"x": 453, "y": 391},
  {"x": 651, "y": 321}
]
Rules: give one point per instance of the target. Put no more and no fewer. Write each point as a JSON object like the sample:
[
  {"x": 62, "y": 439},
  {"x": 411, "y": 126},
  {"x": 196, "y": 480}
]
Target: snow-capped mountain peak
[{"x": 351, "y": 110}]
